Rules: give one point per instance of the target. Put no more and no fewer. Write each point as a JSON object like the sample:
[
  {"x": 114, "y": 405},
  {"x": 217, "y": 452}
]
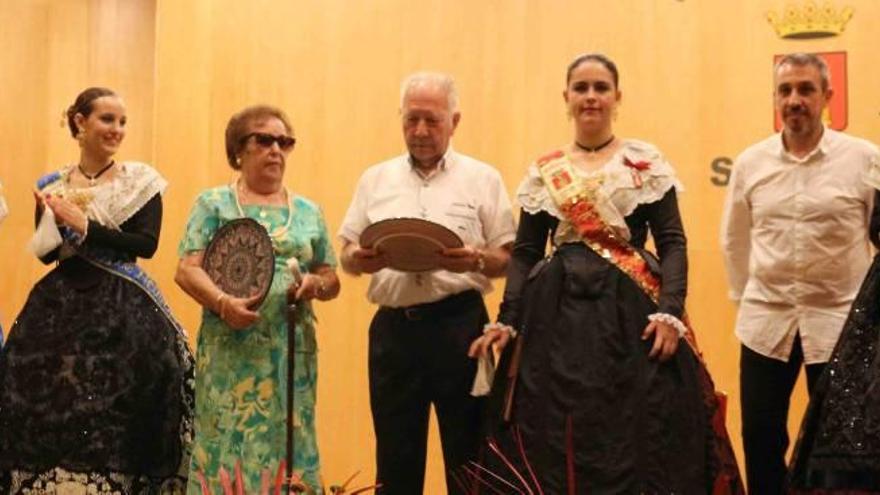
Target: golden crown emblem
[{"x": 810, "y": 21}]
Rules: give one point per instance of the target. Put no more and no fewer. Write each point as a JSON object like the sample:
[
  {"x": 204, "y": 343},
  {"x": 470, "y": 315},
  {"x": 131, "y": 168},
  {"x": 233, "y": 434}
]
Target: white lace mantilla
[
  {"x": 625, "y": 186},
  {"x": 113, "y": 202},
  {"x": 59, "y": 481}
]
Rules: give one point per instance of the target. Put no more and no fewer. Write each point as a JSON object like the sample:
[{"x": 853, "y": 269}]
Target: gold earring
[{"x": 238, "y": 161}]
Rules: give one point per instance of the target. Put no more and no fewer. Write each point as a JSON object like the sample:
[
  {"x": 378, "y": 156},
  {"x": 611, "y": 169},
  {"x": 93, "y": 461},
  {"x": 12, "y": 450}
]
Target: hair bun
[{"x": 83, "y": 105}]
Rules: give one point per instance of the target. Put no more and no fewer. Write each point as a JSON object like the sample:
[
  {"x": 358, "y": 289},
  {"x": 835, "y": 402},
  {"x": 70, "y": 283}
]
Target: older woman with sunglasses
[{"x": 242, "y": 349}]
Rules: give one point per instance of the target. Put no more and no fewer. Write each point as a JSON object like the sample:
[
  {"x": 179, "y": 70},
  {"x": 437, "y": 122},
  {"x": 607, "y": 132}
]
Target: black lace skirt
[
  {"x": 95, "y": 384},
  {"x": 595, "y": 414},
  {"x": 838, "y": 448}
]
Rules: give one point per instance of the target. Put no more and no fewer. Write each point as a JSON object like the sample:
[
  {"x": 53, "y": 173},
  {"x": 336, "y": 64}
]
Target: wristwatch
[{"x": 481, "y": 262}]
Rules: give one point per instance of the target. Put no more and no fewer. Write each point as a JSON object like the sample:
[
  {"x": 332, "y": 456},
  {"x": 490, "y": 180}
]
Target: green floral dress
[{"x": 241, "y": 375}]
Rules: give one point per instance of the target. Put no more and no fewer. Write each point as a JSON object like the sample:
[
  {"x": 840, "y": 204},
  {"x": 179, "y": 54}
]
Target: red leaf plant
[
  {"x": 511, "y": 480},
  {"x": 270, "y": 486}
]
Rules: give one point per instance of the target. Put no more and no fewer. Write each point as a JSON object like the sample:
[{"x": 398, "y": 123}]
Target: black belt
[{"x": 443, "y": 307}]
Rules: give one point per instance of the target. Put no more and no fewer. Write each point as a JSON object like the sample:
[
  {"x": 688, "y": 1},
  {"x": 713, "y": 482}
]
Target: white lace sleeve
[
  {"x": 641, "y": 176},
  {"x": 670, "y": 320},
  {"x": 533, "y": 196},
  {"x": 135, "y": 184}
]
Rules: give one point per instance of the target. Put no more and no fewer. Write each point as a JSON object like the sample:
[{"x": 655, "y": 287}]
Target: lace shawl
[
  {"x": 113, "y": 202},
  {"x": 618, "y": 183}
]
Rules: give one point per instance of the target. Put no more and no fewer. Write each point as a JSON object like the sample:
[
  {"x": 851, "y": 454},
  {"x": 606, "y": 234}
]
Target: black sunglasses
[{"x": 266, "y": 140}]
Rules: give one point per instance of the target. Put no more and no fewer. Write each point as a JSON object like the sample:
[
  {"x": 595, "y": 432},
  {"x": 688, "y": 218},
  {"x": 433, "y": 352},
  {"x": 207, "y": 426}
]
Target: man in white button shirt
[
  {"x": 795, "y": 240},
  {"x": 420, "y": 335}
]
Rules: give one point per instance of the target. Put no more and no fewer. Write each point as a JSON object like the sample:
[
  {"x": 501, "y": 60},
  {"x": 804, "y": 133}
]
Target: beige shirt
[
  {"x": 464, "y": 195},
  {"x": 794, "y": 234}
]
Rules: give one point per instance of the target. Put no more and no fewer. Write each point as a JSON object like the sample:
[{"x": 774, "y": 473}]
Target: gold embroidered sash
[{"x": 581, "y": 202}]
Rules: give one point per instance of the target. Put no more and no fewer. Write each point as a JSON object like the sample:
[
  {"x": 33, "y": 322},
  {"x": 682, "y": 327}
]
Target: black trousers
[
  {"x": 765, "y": 395},
  {"x": 418, "y": 357}
]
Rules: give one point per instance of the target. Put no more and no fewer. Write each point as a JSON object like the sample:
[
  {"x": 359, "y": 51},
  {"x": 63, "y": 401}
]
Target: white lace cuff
[
  {"x": 670, "y": 320},
  {"x": 501, "y": 326}
]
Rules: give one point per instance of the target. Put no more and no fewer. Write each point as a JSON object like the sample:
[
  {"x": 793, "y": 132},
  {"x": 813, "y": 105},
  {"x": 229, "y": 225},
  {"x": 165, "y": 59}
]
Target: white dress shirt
[
  {"x": 463, "y": 194},
  {"x": 794, "y": 234}
]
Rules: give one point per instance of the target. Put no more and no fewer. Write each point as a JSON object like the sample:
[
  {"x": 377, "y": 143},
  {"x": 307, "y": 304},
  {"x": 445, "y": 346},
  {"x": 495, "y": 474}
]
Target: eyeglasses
[{"x": 266, "y": 140}]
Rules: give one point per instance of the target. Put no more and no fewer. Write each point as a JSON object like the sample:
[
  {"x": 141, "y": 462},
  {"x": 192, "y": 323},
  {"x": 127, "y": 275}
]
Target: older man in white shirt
[
  {"x": 795, "y": 240},
  {"x": 420, "y": 335}
]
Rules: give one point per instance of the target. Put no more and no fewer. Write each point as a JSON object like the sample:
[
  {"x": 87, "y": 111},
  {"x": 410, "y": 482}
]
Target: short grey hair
[
  {"x": 802, "y": 59},
  {"x": 421, "y": 79}
]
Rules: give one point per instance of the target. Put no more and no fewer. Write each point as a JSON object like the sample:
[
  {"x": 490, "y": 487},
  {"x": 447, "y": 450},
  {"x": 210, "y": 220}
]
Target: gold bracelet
[{"x": 219, "y": 303}]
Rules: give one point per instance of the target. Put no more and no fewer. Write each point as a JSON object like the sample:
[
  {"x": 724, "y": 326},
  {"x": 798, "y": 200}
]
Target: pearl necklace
[{"x": 276, "y": 234}]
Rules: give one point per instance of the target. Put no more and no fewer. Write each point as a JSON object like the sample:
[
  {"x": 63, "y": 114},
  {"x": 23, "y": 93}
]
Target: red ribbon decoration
[{"x": 636, "y": 167}]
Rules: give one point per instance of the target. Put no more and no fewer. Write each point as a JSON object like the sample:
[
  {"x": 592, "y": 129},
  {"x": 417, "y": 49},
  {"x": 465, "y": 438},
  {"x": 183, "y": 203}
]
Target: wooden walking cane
[{"x": 293, "y": 264}]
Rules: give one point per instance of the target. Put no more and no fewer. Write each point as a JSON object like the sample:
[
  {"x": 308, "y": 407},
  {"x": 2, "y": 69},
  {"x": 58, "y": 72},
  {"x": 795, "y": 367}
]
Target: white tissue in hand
[
  {"x": 485, "y": 376},
  {"x": 47, "y": 237}
]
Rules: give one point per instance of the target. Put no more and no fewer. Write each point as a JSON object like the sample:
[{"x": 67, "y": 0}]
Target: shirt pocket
[{"x": 463, "y": 218}]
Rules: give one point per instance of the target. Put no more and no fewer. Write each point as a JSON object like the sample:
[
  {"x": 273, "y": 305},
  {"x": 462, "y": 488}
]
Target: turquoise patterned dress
[{"x": 241, "y": 375}]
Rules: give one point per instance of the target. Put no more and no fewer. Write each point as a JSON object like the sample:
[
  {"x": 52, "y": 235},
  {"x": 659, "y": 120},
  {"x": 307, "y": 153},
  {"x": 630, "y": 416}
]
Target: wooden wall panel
[
  {"x": 51, "y": 50},
  {"x": 22, "y": 133},
  {"x": 695, "y": 75}
]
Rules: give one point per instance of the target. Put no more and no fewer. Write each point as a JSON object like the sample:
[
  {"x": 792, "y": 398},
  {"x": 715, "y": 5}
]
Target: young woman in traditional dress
[
  {"x": 608, "y": 393},
  {"x": 96, "y": 377}
]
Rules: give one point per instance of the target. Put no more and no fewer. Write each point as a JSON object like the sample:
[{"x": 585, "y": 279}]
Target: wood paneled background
[{"x": 696, "y": 80}]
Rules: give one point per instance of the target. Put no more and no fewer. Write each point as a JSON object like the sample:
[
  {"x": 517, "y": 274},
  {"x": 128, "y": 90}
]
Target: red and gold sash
[
  {"x": 584, "y": 205},
  {"x": 581, "y": 202}
]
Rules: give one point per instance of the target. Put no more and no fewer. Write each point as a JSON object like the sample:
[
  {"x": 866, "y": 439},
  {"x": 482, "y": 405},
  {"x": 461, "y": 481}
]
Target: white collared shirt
[
  {"x": 794, "y": 234},
  {"x": 463, "y": 194}
]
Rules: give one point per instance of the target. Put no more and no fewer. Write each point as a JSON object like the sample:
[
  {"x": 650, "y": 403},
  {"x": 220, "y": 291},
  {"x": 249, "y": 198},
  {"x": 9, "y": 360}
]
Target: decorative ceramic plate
[
  {"x": 240, "y": 259},
  {"x": 411, "y": 244}
]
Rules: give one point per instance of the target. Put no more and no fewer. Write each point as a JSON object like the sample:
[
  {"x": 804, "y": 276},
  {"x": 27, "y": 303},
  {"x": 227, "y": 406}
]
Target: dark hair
[
  {"x": 239, "y": 123},
  {"x": 594, "y": 57},
  {"x": 83, "y": 105}
]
